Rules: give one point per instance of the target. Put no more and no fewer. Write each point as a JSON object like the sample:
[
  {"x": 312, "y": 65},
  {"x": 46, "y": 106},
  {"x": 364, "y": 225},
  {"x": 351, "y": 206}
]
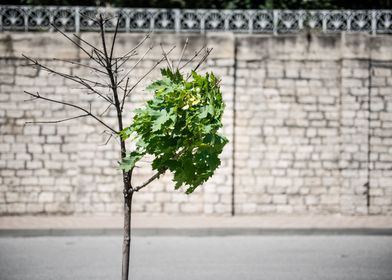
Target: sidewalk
[{"x": 195, "y": 225}]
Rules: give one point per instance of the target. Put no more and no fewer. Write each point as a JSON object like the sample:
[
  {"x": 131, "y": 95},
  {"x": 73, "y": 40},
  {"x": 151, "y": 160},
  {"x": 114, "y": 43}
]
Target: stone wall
[{"x": 309, "y": 117}]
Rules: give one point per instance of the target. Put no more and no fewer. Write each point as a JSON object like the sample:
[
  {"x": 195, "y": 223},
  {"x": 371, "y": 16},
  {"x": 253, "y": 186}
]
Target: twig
[
  {"x": 79, "y": 64},
  {"x": 137, "y": 46},
  {"x": 133, "y": 67},
  {"x": 208, "y": 51},
  {"x": 182, "y": 53},
  {"x": 38, "y": 96},
  {"x": 127, "y": 58},
  {"x": 114, "y": 40},
  {"x": 101, "y": 25},
  {"x": 107, "y": 108},
  {"x": 167, "y": 58},
  {"x": 155, "y": 176},
  {"x": 107, "y": 141},
  {"x": 133, "y": 52},
  {"x": 193, "y": 58},
  {"x": 59, "y": 121},
  {"x": 75, "y": 79},
  {"x": 124, "y": 95},
  {"x": 87, "y": 43},
  {"x": 146, "y": 74},
  {"x": 75, "y": 43},
  {"x": 68, "y": 76}
]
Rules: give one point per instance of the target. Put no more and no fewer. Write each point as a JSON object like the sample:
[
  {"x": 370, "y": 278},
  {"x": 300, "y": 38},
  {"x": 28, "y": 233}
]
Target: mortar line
[
  {"x": 369, "y": 135},
  {"x": 233, "y": 175}
]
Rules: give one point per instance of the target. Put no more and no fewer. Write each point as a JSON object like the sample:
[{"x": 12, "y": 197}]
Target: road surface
[{"x": 198, "y": 258}]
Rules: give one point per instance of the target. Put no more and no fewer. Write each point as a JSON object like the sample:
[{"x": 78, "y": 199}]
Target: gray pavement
[
  {"x": 207, "y": 258},
  {"x": 156, "y": 222}
]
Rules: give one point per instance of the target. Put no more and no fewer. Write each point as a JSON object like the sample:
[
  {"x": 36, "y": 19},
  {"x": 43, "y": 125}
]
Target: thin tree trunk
[{"x": 127, "y": 236}]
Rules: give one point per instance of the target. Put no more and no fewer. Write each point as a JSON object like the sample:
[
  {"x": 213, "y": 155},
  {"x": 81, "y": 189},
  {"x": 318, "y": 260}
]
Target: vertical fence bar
[
  {"x": 324, "y": 21},
  {"x": 51, "y": 18},
  {"x": 348, "y": 14},
  {"x": 26, "y": 18},
  {"x": 177, "y": 20},
  {"x": 374, "y": 22},
  {"x": 152, "y": 19},
  {"x": 203, "y": 15},
  {"x": 250, "y": 21},
  {"x": 128, "y": 13},
  {"x": 275, "y": 21},
  {"x": 301, "y": 18},
  {"x": 227, "y": 15},
  {"x": 77, "y": 19}
]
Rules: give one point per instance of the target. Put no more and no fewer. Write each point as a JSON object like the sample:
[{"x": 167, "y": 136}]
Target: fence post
[
  {"x": 276, "y": 21},
  {"x": 374, "y": 22},
  {"x": 51, "y": 18},
  {"x": 348, "y": 18},
  {"x": 203, "y": 15},
  {"x": 128, "y": 14},
  {"x": 324, "y": 21},
  {"x": 26, "y": 10},
  {"x": 77, "y": 19},
  {"x": 227, "y": 15},
  {"x": 177, "y": 20},
  {"x": 250, "y": 14}
]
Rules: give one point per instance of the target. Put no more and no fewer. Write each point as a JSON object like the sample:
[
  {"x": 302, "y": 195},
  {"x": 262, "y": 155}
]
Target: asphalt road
[{"x": 201, "y": 258}]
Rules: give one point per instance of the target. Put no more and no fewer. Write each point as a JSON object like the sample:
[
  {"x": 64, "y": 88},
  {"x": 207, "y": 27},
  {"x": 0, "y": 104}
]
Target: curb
[{"x": 195, "y": 232}]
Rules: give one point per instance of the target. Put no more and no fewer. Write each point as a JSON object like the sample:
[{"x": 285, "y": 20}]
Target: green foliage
[{"x": 179, "y": 128}]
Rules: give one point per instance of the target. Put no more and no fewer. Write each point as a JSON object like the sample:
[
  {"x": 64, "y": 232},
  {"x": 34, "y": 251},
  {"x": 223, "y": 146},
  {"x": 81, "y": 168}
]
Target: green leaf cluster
[{"x": 179, "y": 127}]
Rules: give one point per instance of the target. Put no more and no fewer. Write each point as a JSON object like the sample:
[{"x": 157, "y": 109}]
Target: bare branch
[
  {"x": 94, "y": 83},
  {"x": 167, "y": 58},
  {"x": 107, "y": 140},
  {"x": 80, "y": 64},
  {"x": 101, "y": 58},
  {"x": 146, "y": 183},
  {"x": 75, "y": 79},
  {"x": 132, "y": 52},
  {"x": 133, "y": 67},
  {"x": 147, "y": 73},
  {"x": 126, "y": 58},
  {"x": 193, "y": 58},
  {"x": 58, "y": 121},
  {"x": 101, "y": 26},
  {"x": 114, "y": 40},
  {"x": 124, "y": 95},
  {"x": 77, "y": 44},
  {"x": 38, "y": 96},
  {"x": 156, "y": 175},
  {"x": 87, "y": 43},
  {"x": 104, "y": 111},
  {"x": 137, "y": 46},
  {"x": 208, "y": 51},
  {"x": 182, "y": 53}
]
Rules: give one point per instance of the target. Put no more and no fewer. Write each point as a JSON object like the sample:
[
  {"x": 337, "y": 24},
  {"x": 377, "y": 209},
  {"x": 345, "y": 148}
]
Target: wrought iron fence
[{"x": 78, "y": 19}]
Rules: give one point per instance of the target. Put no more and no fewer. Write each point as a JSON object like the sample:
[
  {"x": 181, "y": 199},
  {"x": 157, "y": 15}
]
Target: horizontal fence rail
[{"x": 78, "y": 19}]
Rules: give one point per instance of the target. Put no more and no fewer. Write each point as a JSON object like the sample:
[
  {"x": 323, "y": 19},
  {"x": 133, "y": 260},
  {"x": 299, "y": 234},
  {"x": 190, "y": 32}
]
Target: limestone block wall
[
  {"x": 309, "y": 118},
  {"x": 311, "y": 124},
  {"x": 67, "y": 168}
]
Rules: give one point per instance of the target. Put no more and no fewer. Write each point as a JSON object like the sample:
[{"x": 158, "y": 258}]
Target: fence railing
[{"x": 78, "y": 19}]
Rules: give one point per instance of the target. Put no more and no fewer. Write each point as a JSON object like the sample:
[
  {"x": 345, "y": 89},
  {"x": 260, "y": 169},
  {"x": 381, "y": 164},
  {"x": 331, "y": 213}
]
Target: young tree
[{"x": 178, "y": 127}]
